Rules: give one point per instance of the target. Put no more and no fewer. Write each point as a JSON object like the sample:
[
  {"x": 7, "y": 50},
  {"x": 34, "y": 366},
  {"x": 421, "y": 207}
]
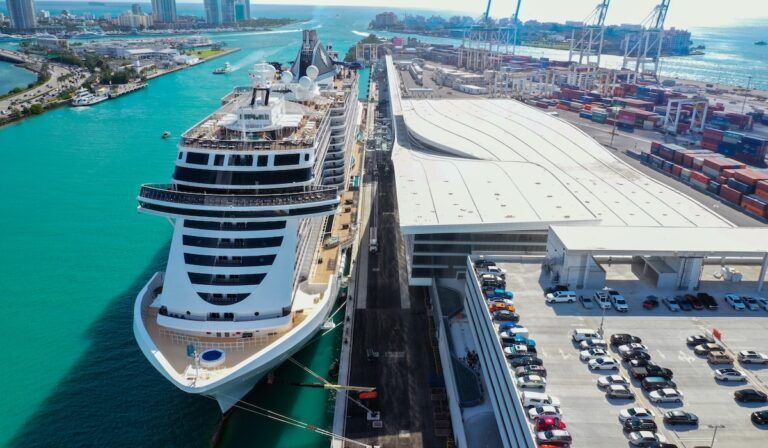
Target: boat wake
[
  {"x": 360, "y": 33},
  {"x": 257, "y": 33}
]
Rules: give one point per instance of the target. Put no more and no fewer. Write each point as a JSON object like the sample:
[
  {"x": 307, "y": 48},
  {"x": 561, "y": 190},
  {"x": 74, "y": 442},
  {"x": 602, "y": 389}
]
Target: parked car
[
  {"x": 641, "y": 362},
  {"x": 581, "y": 334},
  {"x": 531, "y": 382},
  {"x": 631, "y": 356},
  {"x": 735, "y": 302},
  {"x": 610, "y": 380},
  {"x": 668, "y": 395},
  {"x": 760, "y": 417},
  {"x": 729, "y": 375},
  {"x": 641, "y": 413},
  {"x": 555, "y": 288},
  {"x": 561, "y": 297},
  {"x": 652, "y": 383},
  {"x": 716, "y": 358},
  {"x": 763, "y": 302},
  {"x": 506, "y": 315},
  {"x": 531, "y": 370},
  {"x": 695, "y": 302},
  {"x": 604, "y": 363},
  {"x": 751, "y": 303},
  {"x": 703, "y": 349},
  {"x": 587, "y": 302},
  {"x": 623, "y": 339},
  {"x": 619, "y": 391},
  {"x": 709, "y": 302},
  {"x": 752, "y": 357},
  {"x": 528, "y": 360},
  {"x": 500, "y": 305},
  {"x": 593, "y": 343},
  {"x": 657, "y": 371},
  {"x": 558, "y": 436},
  {"x": 549, "y": 424},
  {"x": 602, "y": 300},
  {"x": 651, "y": 302},
  {"x": 508, "y": 337},
  {"x": 635, "y": 424},
  {"x": 671, "y": 304},
  {"x": 619, "y": 302},
  {"x": 645, "y": 438},
  {"x": 633, "y": 347},
  {"x": 685, "y": 305},
  {"x": 678, "y": 417},
  {"x": 699, "y": 339},
  {"x": 750, "y": 396},
  {"x": 592, "y": 353},
  {"x": 516, "y": 351},
  {"x": 504, "y": 326},
  {"x": 544, "y": 411}
]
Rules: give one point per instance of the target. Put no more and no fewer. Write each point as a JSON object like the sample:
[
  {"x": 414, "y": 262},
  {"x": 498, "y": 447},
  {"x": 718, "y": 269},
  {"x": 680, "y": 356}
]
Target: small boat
[
  {"x": 85, "y": 98},
  {"x": 761, "y": 42},
  {"x": 226, "y": 68},
  {"x": 166, "y": 134}
]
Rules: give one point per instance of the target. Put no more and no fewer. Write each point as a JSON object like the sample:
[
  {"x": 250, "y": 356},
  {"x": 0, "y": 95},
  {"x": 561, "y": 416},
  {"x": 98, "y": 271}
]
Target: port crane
[
  {"x": 587, "y": 41},
  {"x": 483, "y": 45},
  {"x": 642, "y": 50}
]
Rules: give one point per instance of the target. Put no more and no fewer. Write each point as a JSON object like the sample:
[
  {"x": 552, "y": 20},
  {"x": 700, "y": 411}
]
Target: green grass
[{"x": 205, "y": 54}]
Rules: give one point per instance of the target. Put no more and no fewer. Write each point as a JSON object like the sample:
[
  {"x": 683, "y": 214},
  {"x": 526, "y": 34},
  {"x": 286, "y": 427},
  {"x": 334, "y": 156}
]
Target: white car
[
  {"x": 605, "y": 363},
  {"x": 610, "y": 380},
  {"x": 544, "y": 411},
  {"x": 645, "y": 438},
  {"x": 602, "y": 300},
  {"x": 668, "y": 395},
  {"x": 531, "y": 382},
  {"x": 561, "y": 297},
  {"x": 641, "y": 413},
  {"x": 752, "y": 357},
  {"x": 633, "y": 347},
  {"x": 729, "y": 375},
  {"x": 735, "y": 302},
  {"x": 588, "y": 343},
  {"x": 620, "y": 303},
  {"x": 516, "y": 350},
  {"x": 671, "y": 304},
  {"x": 592, "y": 353}
]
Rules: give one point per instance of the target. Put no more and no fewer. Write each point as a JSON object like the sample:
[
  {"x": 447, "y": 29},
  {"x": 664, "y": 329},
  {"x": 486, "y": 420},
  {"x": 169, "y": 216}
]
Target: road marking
[
  {"x": 685, "y": 357},
  {"x": 565, "y": 355},
  {"x": 544, "y": 354},
  {"x": 663, "y": 356}
]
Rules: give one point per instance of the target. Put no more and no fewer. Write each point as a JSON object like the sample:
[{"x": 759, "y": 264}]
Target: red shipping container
[
  {"x": 721, "y": 179},
  {"x": 728, "y": 173},
  {"x": 699, "y": 176},
  {"x": 721, "y": 163},
  {"x": 676, "y": 170},
  {"x": 713, "y": 134},
  {"x": 730, "y": 195},
  {"x": 762, "y": 187},
  {"x": 750, "y": 177},
  {"x": 755, "y": 203},
  {"x": 756, "y": 210}
]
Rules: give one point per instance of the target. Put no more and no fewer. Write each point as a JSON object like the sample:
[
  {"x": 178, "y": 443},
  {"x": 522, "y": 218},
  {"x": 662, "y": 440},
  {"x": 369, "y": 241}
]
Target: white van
[
  {"x": 535, "y": 399},
  {"x": 581, "y": 334},
  {"x": 517, "y": 331}
]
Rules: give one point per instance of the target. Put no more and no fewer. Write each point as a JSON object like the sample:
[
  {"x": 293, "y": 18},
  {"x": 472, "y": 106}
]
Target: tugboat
[{"x": 226, "y": 68}]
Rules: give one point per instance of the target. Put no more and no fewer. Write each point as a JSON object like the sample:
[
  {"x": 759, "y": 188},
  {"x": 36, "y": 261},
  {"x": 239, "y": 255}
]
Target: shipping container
[
  {"x": 730, "y": 195},
  {"x": 750, "y": 177},
  {"x": 740, "y": 186},
  {"x": 714, "y": 187}
]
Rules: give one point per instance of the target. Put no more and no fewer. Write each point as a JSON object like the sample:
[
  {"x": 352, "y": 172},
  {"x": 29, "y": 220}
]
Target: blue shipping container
[{"x": 740, "y": 186}]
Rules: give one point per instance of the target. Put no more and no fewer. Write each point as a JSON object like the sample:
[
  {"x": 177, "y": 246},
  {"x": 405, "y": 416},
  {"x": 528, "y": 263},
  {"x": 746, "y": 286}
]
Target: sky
[{"x": 682, "y": 13}]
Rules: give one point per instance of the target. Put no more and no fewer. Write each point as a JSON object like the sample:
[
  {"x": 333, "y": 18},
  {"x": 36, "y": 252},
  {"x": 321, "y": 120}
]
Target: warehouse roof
[
  {"x": 701, "y": 241},
  {"x": 501, "y": 164}
]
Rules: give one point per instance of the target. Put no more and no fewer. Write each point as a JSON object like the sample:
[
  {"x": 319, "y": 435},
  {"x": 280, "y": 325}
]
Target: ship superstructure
[{"x": 253, "y": 187}]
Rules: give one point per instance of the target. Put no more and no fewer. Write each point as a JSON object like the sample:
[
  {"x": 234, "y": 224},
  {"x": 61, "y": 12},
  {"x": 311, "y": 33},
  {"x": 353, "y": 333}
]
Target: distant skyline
[{"x": 682, "y": 13}]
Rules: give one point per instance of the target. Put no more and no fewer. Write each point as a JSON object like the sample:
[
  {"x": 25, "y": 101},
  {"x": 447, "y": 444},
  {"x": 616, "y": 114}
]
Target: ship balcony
[
  {"x": 336, "y": 141},
  {"x": 166, "y": 200},
  {"x": 333, "y": 163}
]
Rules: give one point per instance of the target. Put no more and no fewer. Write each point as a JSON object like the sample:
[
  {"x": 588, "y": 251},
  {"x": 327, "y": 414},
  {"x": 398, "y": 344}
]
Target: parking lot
[{"x": 591, "y": 418}]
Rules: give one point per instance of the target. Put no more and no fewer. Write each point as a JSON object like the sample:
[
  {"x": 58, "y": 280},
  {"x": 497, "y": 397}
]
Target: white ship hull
[{"x": 230, "y": 388}]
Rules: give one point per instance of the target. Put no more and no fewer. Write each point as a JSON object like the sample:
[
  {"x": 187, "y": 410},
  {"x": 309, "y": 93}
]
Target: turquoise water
[
  {"x": 75, "y": 253},
  {"x": 12, "y": 76}
]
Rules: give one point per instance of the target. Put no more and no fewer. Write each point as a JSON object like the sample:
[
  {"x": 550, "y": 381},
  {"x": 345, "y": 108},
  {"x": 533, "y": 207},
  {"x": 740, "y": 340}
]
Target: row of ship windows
[
  {"x": 234, "y": 214},
  {"x": 217, "y": 260},
  {"x": 234, "y": 226},
  {"x": 215, "y": 177},
  {"x": 225, "y": 280},
  {"x": 200, "y": 158},
  {"x": 223, "y": 299},
  {"x": 226, "y": 243}
]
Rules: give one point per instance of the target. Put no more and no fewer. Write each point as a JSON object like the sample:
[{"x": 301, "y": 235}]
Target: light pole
[
  {"x": 746, "y": 91},
  {"x": 714, "y": 435}
]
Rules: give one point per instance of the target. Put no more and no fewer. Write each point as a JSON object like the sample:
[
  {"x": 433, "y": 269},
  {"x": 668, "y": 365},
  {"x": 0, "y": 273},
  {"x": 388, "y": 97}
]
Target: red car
[
  {"x": 549, "y": 423},
  {"x": 696, "y": 302}
]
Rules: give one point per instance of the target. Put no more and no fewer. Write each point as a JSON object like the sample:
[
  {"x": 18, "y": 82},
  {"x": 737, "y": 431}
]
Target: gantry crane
[
  {"x": 587, "y": 41},
  {"x": 643, "y": 49}
]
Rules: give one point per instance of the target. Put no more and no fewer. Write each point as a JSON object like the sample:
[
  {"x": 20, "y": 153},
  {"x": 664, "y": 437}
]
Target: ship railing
[
  {"x": 241, "y": 145},
  {"x": 168, "y": 193},
  {"x": 238, "y": 345}
]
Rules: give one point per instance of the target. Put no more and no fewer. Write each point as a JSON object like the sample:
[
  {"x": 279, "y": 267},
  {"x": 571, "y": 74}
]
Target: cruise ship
[{"x": 254, "y": 193}]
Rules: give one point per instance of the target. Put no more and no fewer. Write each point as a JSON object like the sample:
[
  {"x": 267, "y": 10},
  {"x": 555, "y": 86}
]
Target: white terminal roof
[
  {"x": 661, "y": 241},
  {"x": 500, "y": 165}
]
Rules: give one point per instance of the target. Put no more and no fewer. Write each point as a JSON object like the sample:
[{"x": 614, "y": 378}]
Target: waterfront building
[
  {"x": 212, "y": 11},
  {"x": 22, "y": 13},
  {"x": 227, "y": 11},
  {"x": 384, "y": 20},
  {"x": 164, "y": 11},
  {"x": 251, "y": 276},
  {"x": 131, "y": 20},
  {"x": 242, "y": 10}
]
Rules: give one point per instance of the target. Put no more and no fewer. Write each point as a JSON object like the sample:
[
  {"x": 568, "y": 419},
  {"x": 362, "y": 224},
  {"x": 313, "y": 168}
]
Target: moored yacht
[
  {"x": 85, "y": 98},
  {"x": 254, "y": 186}
]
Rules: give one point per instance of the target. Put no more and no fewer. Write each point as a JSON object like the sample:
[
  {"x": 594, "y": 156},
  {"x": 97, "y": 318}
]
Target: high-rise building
[
  {"x": 164, "y": 11},
  {"x": 242, "y": 10},
  {"x": 22, "y": 13},
  {"x": 212, "y": 12},
  {"x": 130, "y": 20},
  {"x": 136, "y": 8},
  {"x": 227, "y": 11}
]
